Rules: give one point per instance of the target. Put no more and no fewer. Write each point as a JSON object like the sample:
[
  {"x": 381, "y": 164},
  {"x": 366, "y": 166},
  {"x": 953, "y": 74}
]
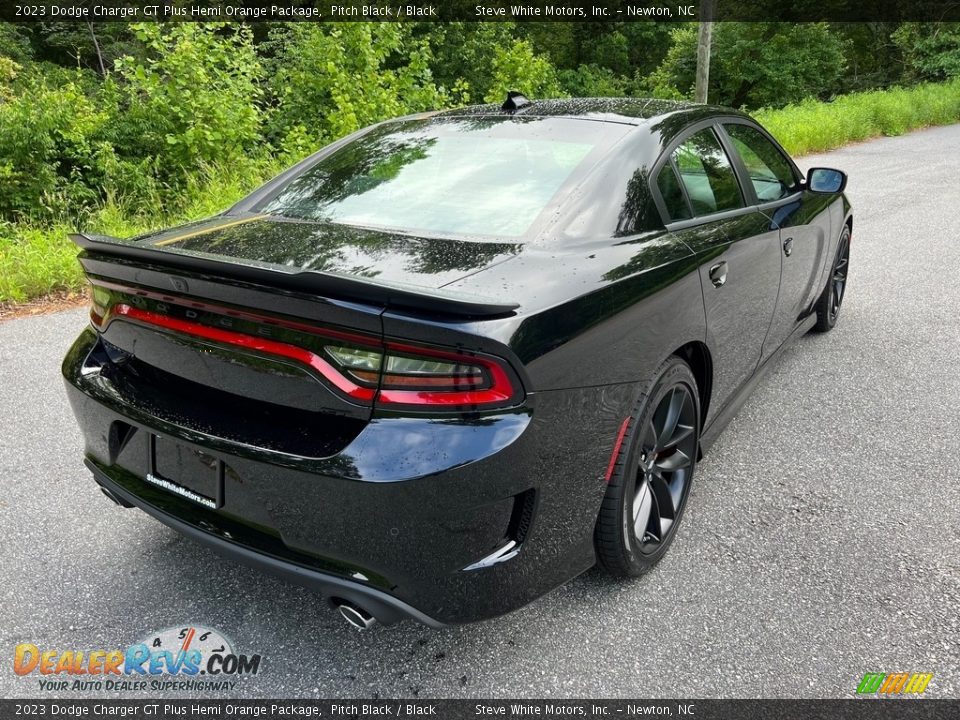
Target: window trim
[
  {"x": 752, "y": 204},
  {"x": 667, "y": 155},
  {"x": 721, "y": 139},
  {"x": 742, "y": 167}
]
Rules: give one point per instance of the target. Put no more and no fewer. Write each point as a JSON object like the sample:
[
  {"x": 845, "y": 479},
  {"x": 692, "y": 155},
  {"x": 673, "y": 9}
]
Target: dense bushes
[
  {"x": 69, "y": 141},
  {"x": 331, "y": 80},
  {"x": 194, "y": 99},
  {"x": 154, "y": 123},
  {"x": 52, "y": 146},
  {"x": 756, "y": 64}
]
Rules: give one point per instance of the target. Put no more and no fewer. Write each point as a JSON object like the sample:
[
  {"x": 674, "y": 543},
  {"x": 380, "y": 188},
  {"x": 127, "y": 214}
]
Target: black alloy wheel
[
  {"x": 839, "y": 281},
  {"x": 652, "y": 476},
  {"x": 828, "y": 307},
  {"x": 667, "y": 451}
]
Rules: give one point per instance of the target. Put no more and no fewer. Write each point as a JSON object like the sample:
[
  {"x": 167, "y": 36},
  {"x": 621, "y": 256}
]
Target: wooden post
[{"x": 704, "y": 36}]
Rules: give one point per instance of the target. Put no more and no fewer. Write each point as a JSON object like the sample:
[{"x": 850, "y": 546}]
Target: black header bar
[
  {"x": 478, "y": 10},
  {"x": 860, "y": 709}
]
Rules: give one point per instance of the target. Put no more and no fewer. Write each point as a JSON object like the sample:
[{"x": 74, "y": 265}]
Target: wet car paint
[{"x": 604, "y": 291}]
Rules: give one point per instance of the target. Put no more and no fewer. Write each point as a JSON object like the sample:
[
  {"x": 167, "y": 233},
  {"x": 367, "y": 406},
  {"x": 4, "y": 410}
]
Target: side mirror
[{"x": 826, "y": 180}]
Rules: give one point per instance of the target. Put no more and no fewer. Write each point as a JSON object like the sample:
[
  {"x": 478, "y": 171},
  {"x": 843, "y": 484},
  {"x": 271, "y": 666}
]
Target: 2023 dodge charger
[{"x": 453, "y": 360}]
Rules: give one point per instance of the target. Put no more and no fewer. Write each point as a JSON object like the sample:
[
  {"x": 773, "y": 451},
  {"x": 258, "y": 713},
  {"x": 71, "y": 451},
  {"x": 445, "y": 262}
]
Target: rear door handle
[
  {"x": 788, "y": 246},
  {"x": 718, "y": 273}
]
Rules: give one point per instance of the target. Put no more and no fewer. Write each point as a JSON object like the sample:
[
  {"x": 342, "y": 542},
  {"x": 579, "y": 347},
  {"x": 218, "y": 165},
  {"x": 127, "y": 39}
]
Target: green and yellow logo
[{"x": 894, "y": 683}]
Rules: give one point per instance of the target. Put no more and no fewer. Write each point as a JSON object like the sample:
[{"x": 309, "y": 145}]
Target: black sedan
[{"x": 453, "y": 360}]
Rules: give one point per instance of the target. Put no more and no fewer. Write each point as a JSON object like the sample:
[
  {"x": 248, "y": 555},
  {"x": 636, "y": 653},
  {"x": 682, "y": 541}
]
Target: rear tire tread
[{"x": 608, "y": 532}]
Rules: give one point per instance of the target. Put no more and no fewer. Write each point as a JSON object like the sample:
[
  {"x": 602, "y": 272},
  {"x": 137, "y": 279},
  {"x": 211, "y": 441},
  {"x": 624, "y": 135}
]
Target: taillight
[
  {"x": 99, "y": 302},
  {"x": 387, "y": 373},
  {"x": 408, "y": 375}
]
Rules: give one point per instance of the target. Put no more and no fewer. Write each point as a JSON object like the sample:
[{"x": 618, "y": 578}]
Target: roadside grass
[
  {"x": 813, "y": 126},
  {"x": 38, "y": 260}
]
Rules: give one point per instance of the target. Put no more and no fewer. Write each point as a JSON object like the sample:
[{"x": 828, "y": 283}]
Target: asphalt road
[{"x": 822, "y": 539}]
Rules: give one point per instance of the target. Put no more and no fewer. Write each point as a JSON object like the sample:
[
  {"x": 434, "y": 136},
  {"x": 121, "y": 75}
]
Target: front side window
[
  {"x": 707, "y": 175},
  {"x": 770, "y": 172}
]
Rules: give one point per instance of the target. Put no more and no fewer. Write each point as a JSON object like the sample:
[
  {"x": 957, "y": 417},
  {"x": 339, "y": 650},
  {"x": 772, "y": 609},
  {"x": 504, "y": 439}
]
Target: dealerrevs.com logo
[
  {"x": 190, "y": 658},
  {"x": 887, "y": 684}
]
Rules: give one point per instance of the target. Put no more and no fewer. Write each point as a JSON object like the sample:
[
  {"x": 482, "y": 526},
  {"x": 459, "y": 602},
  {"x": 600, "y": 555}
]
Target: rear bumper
[
  {"x": 386, "y": 608},
  {"x": 413, "y": 519}
]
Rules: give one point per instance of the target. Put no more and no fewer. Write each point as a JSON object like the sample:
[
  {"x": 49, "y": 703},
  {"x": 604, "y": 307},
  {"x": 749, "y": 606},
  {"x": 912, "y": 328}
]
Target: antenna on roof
[{"x": 515, "y": 101}]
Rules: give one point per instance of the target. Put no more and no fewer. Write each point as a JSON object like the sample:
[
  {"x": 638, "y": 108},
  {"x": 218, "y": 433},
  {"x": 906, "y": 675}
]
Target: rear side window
[
  {"x": 707, "y": 175},
  {"x": 672, "y": 193},
  {"x": 770, "y": 172}
]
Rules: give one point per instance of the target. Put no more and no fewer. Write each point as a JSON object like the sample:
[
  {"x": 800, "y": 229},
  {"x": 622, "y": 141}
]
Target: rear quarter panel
[{"x": 594, "y": 323}]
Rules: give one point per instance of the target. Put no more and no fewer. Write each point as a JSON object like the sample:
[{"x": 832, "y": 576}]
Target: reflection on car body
[{"x": 448, "y": 363}]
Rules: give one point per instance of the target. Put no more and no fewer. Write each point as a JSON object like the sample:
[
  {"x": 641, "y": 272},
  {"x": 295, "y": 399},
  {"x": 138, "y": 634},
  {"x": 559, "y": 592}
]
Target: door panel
[
  {"x": 804, "y": 228},
  {"x": 804, "y": 240},
  {"x": 738, "y": 309}
]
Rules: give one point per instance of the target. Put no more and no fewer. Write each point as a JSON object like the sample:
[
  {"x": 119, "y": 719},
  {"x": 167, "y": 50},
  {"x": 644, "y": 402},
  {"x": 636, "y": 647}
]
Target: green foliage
[
  {"x": 873, "y": 61},
  {"x": 52, "y": 151},
  {"x": 334, "y": 79},
  {"x": 463, "y": 56},
  {"x": 931, "y": 51},
  {"x": 625, "y": 49},
  {"x": 592, "y": 81},
  {"x": 518, "y": 67},
  {"x": 36, "y": 258},
  {"x": 14, "y": 44},
  {"x": 92, "y": 46},
  {"x": 35, "y": 261},
  {"x": 812, "y": 126},
  {"x": 756, "y": 64},
  {"x": 8, "y": 73},
  {"x": 194, "y": 99}
]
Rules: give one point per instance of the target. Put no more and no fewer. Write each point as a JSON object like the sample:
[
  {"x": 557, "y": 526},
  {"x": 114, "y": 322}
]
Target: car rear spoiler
[{"x": 313, "y": 282}]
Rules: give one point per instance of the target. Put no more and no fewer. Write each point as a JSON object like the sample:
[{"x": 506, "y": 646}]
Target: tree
[
  {"x": 756, "y": 64},
  {"x": 330, "y": 80},
  {"x": 193, "y": 99},
  {"x": 931, "y": 51},
  {"x": 518, "y": 67}
]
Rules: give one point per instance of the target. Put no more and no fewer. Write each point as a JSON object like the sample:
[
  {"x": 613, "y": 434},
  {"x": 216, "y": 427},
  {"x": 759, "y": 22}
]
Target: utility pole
[{"x": 704, "y": 37}]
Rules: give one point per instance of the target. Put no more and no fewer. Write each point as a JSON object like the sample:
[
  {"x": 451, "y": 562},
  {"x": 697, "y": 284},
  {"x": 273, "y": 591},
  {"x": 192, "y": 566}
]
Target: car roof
[{"x": 630, "y": 111}]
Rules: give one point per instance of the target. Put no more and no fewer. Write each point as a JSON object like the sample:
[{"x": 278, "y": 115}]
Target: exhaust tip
[
  {"x": 114, "y": 498},
  {"x": 356, "y": 616}
]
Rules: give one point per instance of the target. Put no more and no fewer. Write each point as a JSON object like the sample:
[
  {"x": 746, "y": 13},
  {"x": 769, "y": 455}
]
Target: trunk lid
[
  {"x": 382, "y": 256},
  {"x": 231, "y": 327}
]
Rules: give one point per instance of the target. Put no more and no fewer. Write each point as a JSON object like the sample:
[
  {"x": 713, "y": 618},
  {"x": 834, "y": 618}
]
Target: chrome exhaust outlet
[
  {"x": 114, "y": 498},
  {"x": 356, "y": 616}
]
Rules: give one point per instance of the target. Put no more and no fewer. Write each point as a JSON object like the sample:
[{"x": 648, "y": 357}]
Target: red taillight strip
[
  {"x": 616, "y": 450},
  {"x": 500, "y": 390},
  {"x": 249, "y": 342}
]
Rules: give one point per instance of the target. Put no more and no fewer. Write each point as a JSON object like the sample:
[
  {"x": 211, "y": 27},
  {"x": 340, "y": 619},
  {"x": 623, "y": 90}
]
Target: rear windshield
[{"x": 465, "y": 176}]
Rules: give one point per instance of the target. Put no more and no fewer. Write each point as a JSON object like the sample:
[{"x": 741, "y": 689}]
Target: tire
[
  {"x": 650, "y": 477},
  {"x": 828, "y": 306}
]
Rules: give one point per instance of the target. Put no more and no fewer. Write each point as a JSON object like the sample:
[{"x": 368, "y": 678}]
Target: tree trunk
[
  {"x": 704, "y": 37},
  {"x": 96, "y": 45}
]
